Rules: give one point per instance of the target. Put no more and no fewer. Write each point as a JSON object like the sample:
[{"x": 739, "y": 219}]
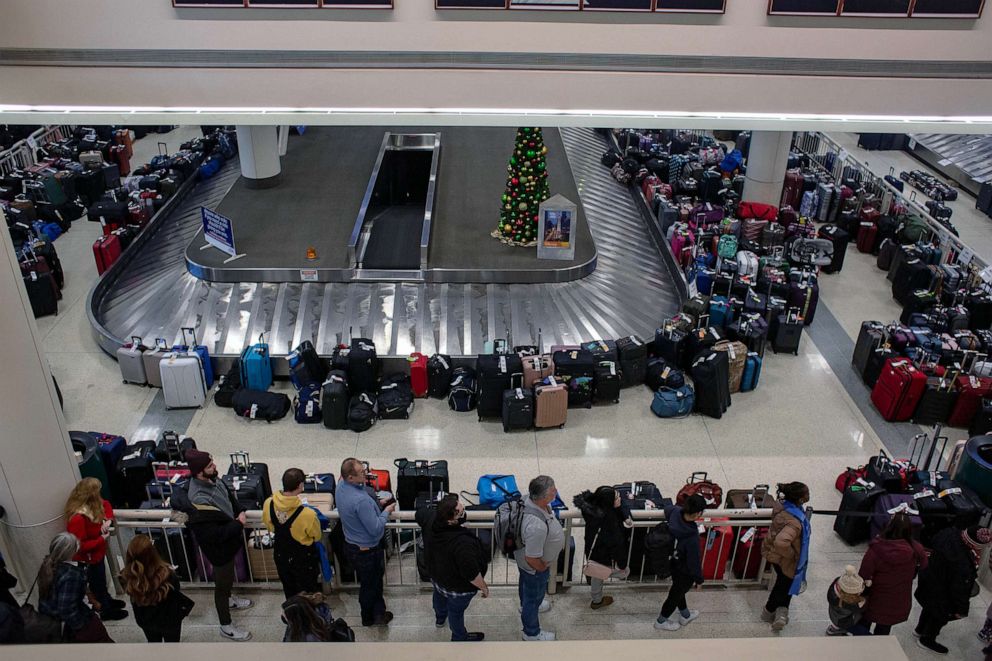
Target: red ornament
[{"x": 514, "y": 181}]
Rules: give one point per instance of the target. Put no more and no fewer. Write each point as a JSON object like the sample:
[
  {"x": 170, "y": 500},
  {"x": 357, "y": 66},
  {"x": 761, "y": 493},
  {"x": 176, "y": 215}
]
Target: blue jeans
[
  {"x": 453, "y": 608},
  {"x": 531, "y": 589},
  {"x": 369, "y": 565}
]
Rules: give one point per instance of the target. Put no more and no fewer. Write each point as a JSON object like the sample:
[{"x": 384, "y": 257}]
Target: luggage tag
[
  {"x": 903, "y": 507},
  {"x": 952, "y": 491},
  {"x": 34, "y": 276},
  {"x": 749, "y": 535},
  {"x": 253, "y": 411},
  {"x": 309, "y": 409},
  {"x": 926, "y": 493}
]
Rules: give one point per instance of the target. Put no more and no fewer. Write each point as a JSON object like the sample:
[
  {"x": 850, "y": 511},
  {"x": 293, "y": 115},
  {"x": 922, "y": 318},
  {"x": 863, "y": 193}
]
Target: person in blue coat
[{"x": 687, "y": 565}]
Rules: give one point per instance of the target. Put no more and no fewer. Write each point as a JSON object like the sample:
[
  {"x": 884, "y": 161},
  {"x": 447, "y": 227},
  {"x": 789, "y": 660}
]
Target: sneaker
[
  {"x": 836, "y": 631},
  {"x": 686, "y": 620},
  {"x": 440, "y": 622},
  {"x": 767, "y": 616},
  {"x": 781, "y": 619},
  {"x": 473, "y": 637},
  {"x": 231, "y": 632},
  {"x": 117, "y": 604},
  {"x": 667, "y": 625},
  {"x": 240, "y": 603},
  {"x": 383, "y": 621},
  {"x": 113, "y": 615},
  {"x": 603, "y": 603},
  {"x": 931, "y": 645},
  {"x": 543, "y": 608},
  {"x": 544, "y": 635}
]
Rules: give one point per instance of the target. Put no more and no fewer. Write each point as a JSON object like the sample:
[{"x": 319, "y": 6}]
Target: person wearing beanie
[
  {"x": 889, "y": 568},
  {"x": 845, "y": 604},
  {"x": 945, "y": 586},
  {"x": 217, "y": 522}
]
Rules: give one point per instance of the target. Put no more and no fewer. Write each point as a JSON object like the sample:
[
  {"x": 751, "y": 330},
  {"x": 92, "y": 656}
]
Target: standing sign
[
  {"x": 557, "y": 225},
  {"x": 218, "y": 233}
]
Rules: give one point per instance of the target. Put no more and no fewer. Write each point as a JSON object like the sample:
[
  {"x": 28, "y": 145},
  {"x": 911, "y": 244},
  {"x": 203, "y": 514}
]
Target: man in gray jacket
[{"x": 541, "y": 540}]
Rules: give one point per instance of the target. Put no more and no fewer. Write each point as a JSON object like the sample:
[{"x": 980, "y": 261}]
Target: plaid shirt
[
  {"x": 65, "y": 597},
  {"x": 449, "y": 594}
]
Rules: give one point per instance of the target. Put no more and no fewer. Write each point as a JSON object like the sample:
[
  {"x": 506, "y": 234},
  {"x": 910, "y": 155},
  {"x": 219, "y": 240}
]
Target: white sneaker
[
  {"x": 686, "y": 620},
  {"x": 543, "y": 608},
  {"x": 544, "y": 635},
  {"x": 239, "y": 603},
  {"x": 231, "y": 632},
  {"x": 667, "y": 625}
]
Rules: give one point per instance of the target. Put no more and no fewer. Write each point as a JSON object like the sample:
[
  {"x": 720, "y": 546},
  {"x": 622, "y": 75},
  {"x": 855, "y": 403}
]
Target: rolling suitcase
[
  {"x": 494, "y": 373},
  {"x": 363, "y": 366},
  {"x": 42, "y": 294},
  {"x": 537, "y": 368},
  {"x": 550, "y": 404},
  {"x": 131, "y": 361},
  {"x": 334, "y": 398},
  {"x": 151, "y": 359},
  {"x": 981, "y": 423},
  {"x": 204, "y": 355},
  {"x": 419, "y": 381},
  {"x": 716, "y": 547},
  {"x": 712, "y": 387},
  {"x": 804, "y": 296},
  {"x": 876, "y": 361},
  {"x": 606, "y": 382},
  {"x": 576, "y": 370},
  {"x": 439, "y": 370},
  {"x": 419, "y": 477},
  {"x": 971, "y": 391},
  {"x": 632, "y": 353},
  {"x": 518, "y": 409},
  {"x": 752, "y": 372},
  {"x": 136, "y": 469},
  {"x": 937, "y": 402},
  {"x": 602, "y": 350},
  {"x": 106, "y": 251},
  {"x": 242, "y": 466},
  {"x": 183, "y": 382},
  {"x": 256, "y": 366},
  {"x": 838, "y": 238},
  {"x": 736, "y": 358},
  {"x": 746, "y": 561},
  {"x": 886, "y": 506},
  {"x": 788, "y": 333},
  {"x": 858, "y": 498},
  {"x": 898, "y": 390}
]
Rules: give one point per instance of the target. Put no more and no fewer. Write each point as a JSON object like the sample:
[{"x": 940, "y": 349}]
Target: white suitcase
[
  {"x": 131, "y": 359},
  {"x": 183, "y": 383}
]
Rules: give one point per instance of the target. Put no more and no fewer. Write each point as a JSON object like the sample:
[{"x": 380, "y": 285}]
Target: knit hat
[
  {"x": 197, "y": 461},
  {"x": 978, "y": 536},
  {"x": 850, "y": 582}
]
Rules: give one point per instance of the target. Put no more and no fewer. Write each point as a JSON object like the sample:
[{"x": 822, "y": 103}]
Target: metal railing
[
  {"x": 24, "y": 153},
  {"x": 730, "y": 547}
]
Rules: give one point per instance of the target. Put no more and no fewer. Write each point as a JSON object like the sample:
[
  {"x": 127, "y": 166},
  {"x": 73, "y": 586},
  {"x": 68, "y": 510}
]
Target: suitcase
[
  {"x": 606, "y": 382},
  {"x": 136, "y": 472},
  {"x": 716, "y": 547},
  {"x": 971, "y": 391},
  {"x": 42, "y": 294},
  {"x": 788, "y": 333},
  {"x": 419, "y": 381},
  {"x": 870, "y": 338},
  {"x": 867, "y": 236},
  {"x": 961, "y": 502},
  {"x": 152, "y": 358},
  {"x": 672, "y": 344},
  {"x": 746, "y": 562},
  {"x": 419, "y": 477},
  {"x": 518, "y": 409},
  {"x": 662, "y": 374},
  {"x": 183, "y": 381},
  {"x": 886, "y": 506},
  {"x": 633, "y": 356},
  {"x": 334, "y": 398},
  {"x": 106, "y": 250},
  {"x": 256, "y": 366},
  {"x": 202, "y": 353},
  {"x": 537, "y": 368},
  {"x": 305, "y": 366},
  {"x": 898, "y": 390},
  {"x": 710, "y": 375},
  {"x": 839, "y": 239},
  {"x": 858, "y": 498},
  {"x": 886, "y": 253},
  {"x": 736, "y": 358},
  {"x": 242, "y": 466},
  {"x": 494, "y": 373},
  {"x": 876, "y": 361},
  {"x": 602, "y": 350},
  {"x": 131, "y": 362},
  {"x": 439, "y": 370},
  {"x": 363, "y": 366},
  {"x": 752, "y": 372},
  {"x": 550, "y": 405},
  {"x": 576, "y": 370},
  {"x": 981, "y": 423},
  {"x": 937, "y": 402},
  {"x": 984, "y": 201},
  {"x": 805, "y": 297}
]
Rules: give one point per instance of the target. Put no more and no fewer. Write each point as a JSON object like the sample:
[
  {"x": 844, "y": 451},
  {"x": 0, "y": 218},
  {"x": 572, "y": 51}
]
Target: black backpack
[
  {"x": 610, "y": 158},
  {"x": 659, "y": 550},
  {"x": 362, "y": 412},
  {"x": 461, "y": 397},
  {"x": 439, "y": 372},
  {"x": 229, "y": 384}
]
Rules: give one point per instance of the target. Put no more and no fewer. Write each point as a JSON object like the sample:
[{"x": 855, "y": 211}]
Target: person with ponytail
[
  {"x": 150, "y": 582},
  {"x": 88, "y": 516},
  {"x": 786, "y": 548},
  {"x": 62, "y": 593}
]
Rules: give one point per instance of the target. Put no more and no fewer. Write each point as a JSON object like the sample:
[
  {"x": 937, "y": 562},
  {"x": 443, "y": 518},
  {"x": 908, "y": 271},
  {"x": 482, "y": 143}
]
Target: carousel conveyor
[
  {"x": 149, "y": 292},
  {"x": 967, "y": 159}
]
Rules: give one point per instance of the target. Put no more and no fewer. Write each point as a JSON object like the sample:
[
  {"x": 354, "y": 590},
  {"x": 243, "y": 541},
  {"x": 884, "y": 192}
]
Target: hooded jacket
[
  {"x": 945, "y": 585},
  {"x": 688, "y": 560},
  {"x": 455, "y": 554},
  {"x": 306, "y": 527},
  {"x": 891, "y": 566},
  {"x": 611, "y": 545},
  {"x": 784, "y": 542}
]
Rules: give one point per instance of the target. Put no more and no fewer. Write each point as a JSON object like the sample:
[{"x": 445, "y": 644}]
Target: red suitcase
[
  {"x": 418, "y": 374},
  {"x": 971, "y": 390},
  {"x": 106, "y": 250},
  {"x": 715, "y": 547},
  {"x": 118, "y": 155},
  {"x": 792, "y": 191},
  {"x": 867, "y": 235},
  {"x": 898, "y": 389},
  {"x": 747, "y": 556},
  {"x": 378, "y": 479}
]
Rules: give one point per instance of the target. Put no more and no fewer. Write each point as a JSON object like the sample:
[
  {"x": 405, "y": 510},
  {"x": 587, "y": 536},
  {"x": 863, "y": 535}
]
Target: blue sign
[{"x": 218, "y": 232}]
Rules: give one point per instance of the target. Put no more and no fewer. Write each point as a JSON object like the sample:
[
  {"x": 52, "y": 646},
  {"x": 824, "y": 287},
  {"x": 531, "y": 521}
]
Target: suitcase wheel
[{"x": 561, "y": 426}]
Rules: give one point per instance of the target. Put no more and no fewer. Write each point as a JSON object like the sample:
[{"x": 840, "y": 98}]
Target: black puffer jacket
[
  {"x": 945, "y": 585},
  {"x": 219, "y": 536},
  {"x": 611, "y": 544}
]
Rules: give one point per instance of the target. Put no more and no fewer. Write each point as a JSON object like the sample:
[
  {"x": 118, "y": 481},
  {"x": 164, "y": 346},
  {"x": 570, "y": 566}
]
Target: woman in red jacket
[
  {"x": 890, "y": 565},
  {"x": 88, "y": 517}
]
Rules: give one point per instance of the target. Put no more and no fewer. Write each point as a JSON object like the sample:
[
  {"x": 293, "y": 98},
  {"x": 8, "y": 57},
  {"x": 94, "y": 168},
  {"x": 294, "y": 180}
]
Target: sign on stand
[
  {"x": 218, "y": 232},
  {"x": 557, "y": 228}
]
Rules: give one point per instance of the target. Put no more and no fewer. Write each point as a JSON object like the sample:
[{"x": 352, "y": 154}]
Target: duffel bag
[
  {"x": 362, "y": 412},
  {"x": 673, "y": 402},
  {"x": 306, "y": 405},
  {"x": 260, "y": 404},
  {"x": 700, "y": 483}
]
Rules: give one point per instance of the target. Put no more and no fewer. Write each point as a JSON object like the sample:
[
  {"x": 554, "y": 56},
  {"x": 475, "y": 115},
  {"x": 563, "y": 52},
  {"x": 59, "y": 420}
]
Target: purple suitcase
[{"x": 887, "y": 505}]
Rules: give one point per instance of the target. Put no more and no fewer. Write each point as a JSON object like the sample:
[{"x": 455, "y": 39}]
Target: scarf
[{"x": 800, "y": 580}]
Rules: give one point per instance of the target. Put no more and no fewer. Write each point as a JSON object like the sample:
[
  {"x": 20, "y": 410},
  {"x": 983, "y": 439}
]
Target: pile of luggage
[
  {"x": 43, "y": 276},
  {"x": 929, "y": 185},
  {"x": 183, "y": 371}
]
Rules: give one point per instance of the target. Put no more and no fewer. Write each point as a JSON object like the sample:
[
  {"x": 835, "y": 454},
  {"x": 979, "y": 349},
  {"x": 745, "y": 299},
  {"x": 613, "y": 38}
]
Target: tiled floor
[{"x": 801, "y": 423}]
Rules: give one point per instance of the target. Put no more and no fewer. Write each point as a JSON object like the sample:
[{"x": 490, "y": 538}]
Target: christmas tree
[{"x": 526, "y": 188}]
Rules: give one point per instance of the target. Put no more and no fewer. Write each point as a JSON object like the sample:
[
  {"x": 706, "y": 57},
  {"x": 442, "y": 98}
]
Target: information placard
[
  {"x": 804, "y": 7},
  {"x": 887, "y": 8},
  {"x": 948, "y": 8},
  {"x": 616, "y": 5},
  {"x": 557, "y": 225},
  {"x": 692, "y": 6},
  {"x": 218, "y": 231}
]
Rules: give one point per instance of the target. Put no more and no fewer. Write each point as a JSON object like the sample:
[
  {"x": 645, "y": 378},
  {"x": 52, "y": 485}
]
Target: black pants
[
  {"x": 879, "y": 629},
  {"x": 779, "y": 597},
  {"x": 298, "y": 567},
  {"x": 224, "y": 576},
  {"x": 930, "y": 625},
  {"x": 369, "y": 565},
  {"x": 676, "y": 595},
  {"x": 156, "y": 636}
]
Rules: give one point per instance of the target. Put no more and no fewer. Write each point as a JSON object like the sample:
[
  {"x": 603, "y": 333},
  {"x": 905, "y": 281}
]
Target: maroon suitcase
[
  {"x": 106, "y": 250},
  {"x": 867, "y": 235},
  {"x": 792, "y": 191}
]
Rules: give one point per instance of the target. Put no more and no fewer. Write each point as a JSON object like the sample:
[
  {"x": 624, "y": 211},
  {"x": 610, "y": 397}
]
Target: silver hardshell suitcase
[
  {"x": 152, "y": 358},
  {"x": 183, "y": 383},
  {"x": 131, "y": 359}
]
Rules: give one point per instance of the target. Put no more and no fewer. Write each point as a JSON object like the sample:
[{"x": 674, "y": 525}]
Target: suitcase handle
[
  {"x": 135, "y": 340},
  {"x": 192, "y": 334},
  {"x": 161, "y": 343},
  {"x": 161, "y": 151},
  {"x": 240, "y": 461},
  {"x": 692, "y": 478}
]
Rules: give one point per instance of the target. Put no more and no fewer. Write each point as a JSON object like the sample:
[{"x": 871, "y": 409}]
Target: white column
[
  {"x": 768, "y": 158},
  {"x": 258, "y": 150},
  {"x": 283, "y": 140},
  {"x": 37, "y": 465}
]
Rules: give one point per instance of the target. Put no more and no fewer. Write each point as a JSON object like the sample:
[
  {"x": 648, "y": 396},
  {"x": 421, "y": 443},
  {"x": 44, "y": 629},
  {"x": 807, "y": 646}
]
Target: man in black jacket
[
  {"x": 217, "y": 522},
  {"x": 687, "y": 567},
  {"x": 457, "y": 562}
]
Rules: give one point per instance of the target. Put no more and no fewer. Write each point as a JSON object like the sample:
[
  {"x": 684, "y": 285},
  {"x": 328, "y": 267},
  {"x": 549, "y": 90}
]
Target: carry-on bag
[
  {"x": 550, "y": 404},
  {"x": 494, "y": 373},
  {"x": 256, "y": 366},
  {"x": 439, "y": 370},
  {"x": 518, "y": 409},
  {"x": 130, "y": 359},
  {"x": 334, "y": 400}
]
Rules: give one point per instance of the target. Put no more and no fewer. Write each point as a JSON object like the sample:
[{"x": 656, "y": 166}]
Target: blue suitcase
[
  {"x": 752, "y": 372},
  {"x": 256, "y": 367},
  {"x": 721, "y": 312},
  {"x": 201, "y": 351}
]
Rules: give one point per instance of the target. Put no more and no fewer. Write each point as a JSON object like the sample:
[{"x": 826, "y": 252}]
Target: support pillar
[
  {"x": 258, "y": 151},
  {"x": 283, "y": 140},
  {"x": 767, "y": 161},
  {"x": 38, "y": 468}
]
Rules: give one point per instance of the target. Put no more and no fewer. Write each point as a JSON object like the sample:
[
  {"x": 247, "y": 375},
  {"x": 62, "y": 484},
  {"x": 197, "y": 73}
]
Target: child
[{"x": 846, "y": 604}]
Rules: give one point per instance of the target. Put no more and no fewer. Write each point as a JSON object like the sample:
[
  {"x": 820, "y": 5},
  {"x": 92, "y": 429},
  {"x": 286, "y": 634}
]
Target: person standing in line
[
  {"x": 889, "y": 568},
  {"x": 846, "y": 603},
  {"x": 159, "y": 605},
  {"x": 605, "y": 514},
  {"x": 541, "y": 540},
  {"x": 297, "y": 533},
  {"x": 457, "y": 563},
  {"x": 88, "y": 516},
  {"x": 62, "y": 593},
  {"x": 363, "y": 521},
  {"x": 218, "y": 522},
  {"x": 687, "y": 564},
  {"x": 786, "y": 548},
  {"x": 944, "y": 588}
]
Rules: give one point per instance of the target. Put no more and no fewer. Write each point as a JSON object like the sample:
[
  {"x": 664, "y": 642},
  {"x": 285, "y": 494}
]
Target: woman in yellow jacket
[
  {"x": 786, "y": 548},
  {"x": 297, "y": 533}
]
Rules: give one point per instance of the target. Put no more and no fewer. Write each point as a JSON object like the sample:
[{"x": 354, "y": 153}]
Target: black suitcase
[
  {"x": 636, "y": 495},
  {"x": 175, "y": 546},
  {"x": 42, "y": 293},
  {"x": 606, "y": 383},
  {"x": 869, "y": 338},
  {"x": 702, "y": 339},
  {"x": 577, "y": 370},
  {"x": 857, "y": 499},
  {"x": 247, "y": 489},
  {"x": 752, "y": 330},
  {"x": 363, "y": 366},
  {"x": 937, "y": 402},
  {"x": 710, "y": 375},
  {"x": 962, "y": 502},
  {"x": 518, "y": 409},
  {"x": 602, "y": 350},
  {"x": 788, "y": 333},
  {"x": 417, "y": 477},
  {"x": 933, "y": 511},
  {"x": 111, "y": 212},
  {"x": 633, "y": 355},
  {"x": 242, "y": 466},
  {"x": 984, "y": 201},
  {"x": 839, "y": 239},
  {"x": 981, "y": 424},
  {"x": 494, "y": 373},
  {"x": 136, "y": 469},
  {"x": 439, "y": 370},
  {"x": 672, "y": 345}
]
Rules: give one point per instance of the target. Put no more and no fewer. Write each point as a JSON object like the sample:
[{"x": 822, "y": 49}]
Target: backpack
[
  {"x": 508, "y": 524},
  {"x": 461, "y": 398},
  {"x": 395, "y": 397},
  {"x": 362, "y": 412},
  {"x": 659, "y": 549},
  {"x": 306, "y": 405},
  {"x": 727, "y": 246}
]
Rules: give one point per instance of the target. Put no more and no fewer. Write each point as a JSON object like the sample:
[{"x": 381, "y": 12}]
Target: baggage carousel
[
  {"x": 966, "y": 159},
  {"x": 150, "y": 293}
]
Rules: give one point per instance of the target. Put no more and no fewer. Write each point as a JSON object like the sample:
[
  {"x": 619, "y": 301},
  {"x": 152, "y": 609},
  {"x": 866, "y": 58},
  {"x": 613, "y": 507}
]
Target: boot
[{"x": 781, "y": 619}]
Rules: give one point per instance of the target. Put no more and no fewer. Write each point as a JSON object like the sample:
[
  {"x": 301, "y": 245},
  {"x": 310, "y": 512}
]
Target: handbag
[
  {"x": 594, "y": 569},
  {"x": 39, "y": 627}
]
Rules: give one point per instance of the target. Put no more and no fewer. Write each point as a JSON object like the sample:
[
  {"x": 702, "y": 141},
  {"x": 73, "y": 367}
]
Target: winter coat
[
  {"x": 219, "y": 536},
  {"x": 456, "y": 556},
  {"x": 687, "y": 560},
  {"x": 92, "y": 545},
  {"x": 163, "y": 616},
  {"x": 891, "y": 565},
  {"x": 842, "y": 615},
  {"x": 945, "y": 585},
  {"x": 611, "y": 545},
  {"x": 784, "y": 542}
]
